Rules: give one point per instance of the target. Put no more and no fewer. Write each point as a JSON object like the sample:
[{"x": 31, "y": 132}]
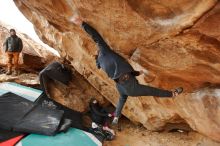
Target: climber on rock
[{"x": 118, "y": 69}]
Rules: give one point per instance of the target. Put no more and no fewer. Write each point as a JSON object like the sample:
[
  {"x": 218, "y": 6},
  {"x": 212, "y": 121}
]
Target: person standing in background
[{"x": 13, "y": 47}]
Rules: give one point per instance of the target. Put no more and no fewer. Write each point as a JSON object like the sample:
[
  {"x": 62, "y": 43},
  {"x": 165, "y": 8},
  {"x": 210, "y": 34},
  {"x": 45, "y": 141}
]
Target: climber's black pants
[{"x": 131, "y": 87}]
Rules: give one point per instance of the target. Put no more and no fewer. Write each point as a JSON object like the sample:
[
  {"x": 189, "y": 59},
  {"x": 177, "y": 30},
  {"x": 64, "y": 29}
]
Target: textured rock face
[
  {"x": 77, "y": 94},
  {"x": 33, "y": 56},
  {"x": 176, "y": 42}
]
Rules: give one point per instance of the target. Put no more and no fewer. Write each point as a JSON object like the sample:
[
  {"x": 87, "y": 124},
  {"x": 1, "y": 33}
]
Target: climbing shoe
[{"x": 177, "y": 91}]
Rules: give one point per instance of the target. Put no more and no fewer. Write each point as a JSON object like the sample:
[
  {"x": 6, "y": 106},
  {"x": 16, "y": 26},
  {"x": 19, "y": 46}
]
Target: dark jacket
[
  {"x": 13, "y": 44},
  {"x": 112, "y": 63}
]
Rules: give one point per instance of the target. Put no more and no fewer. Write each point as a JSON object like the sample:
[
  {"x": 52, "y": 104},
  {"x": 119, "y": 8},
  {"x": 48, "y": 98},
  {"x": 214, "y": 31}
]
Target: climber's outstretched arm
[{"x": 103, "y": 46}]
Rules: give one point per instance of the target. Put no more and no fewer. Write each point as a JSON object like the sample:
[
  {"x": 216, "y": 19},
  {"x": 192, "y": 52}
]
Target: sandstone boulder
[{"x": 176, "y": 42}]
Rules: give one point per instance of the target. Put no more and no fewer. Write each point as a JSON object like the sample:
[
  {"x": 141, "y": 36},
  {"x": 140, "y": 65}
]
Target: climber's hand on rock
[
  {"x": 77, "y": 20},
  {"x": 141, "y": 72}
]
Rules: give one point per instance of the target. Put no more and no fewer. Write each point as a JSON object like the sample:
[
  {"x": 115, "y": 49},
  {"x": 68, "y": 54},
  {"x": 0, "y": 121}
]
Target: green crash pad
[
  {"x": 73, "y": 137},
  {"x": 23, "y": 91}
]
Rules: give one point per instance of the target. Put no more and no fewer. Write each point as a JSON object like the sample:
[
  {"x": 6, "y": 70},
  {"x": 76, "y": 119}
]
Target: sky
[{"x": 10, "y": 15}]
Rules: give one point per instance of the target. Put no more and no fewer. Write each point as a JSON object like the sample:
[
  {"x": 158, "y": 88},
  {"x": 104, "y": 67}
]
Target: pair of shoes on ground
[{"x": 15, "y": 73}]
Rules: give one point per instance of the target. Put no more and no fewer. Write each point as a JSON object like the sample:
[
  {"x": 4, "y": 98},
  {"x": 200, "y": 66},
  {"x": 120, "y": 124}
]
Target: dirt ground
[
  {"x": 27, "y": 79},
  {"x": 132, "y": 135}
]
